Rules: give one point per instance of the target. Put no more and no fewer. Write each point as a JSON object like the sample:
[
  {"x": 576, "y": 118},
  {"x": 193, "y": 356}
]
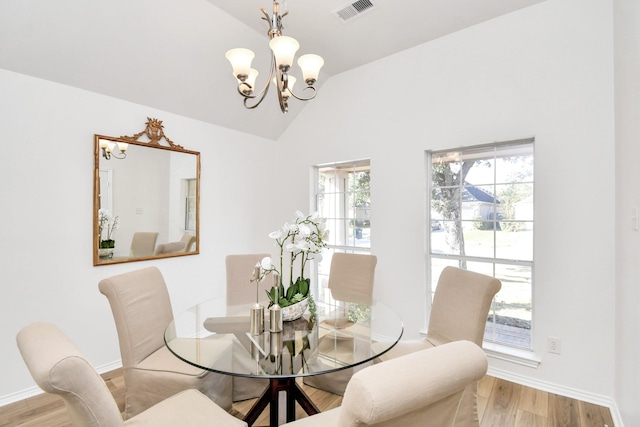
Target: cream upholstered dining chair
[
  {"x": 142, "y": 310},
  {"x": 143, "y": 243},
  {"x": 241, "y": 294},
  {"x": 351, "y": 278},
  {"x": 419, "y": 389},
  {"x": 58, "y": 367},
  {"x": 189, "y": 241},
  {"x": 459, "y": 311},
  {"x": 169, "y": 248}
]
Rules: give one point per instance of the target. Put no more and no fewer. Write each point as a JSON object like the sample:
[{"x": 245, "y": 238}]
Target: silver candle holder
[
  {"x": 257, "y": 319},
  {"x": 257, "y": 310},
  {"x": 275, "y": 312}
]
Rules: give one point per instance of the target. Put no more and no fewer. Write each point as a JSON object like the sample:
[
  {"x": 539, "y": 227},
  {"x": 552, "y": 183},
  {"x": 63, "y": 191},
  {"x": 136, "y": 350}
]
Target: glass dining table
[{"x": 329, "y": 337}]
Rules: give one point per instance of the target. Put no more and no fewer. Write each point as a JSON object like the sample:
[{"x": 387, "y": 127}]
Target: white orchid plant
[
  {"x": 108, "y": 223},
  {"x": 300, "y": 241}
]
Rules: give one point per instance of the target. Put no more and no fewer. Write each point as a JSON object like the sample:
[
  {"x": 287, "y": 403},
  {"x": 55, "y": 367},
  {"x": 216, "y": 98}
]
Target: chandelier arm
[
  {"x": 284, "y": 107},
  {"x": 300, "y": 98},
  {"x": 263, "y": 93}
]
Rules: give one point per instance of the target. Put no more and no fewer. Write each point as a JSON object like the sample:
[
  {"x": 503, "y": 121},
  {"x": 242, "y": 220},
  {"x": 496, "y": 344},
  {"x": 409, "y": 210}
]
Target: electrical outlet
[{"x": 554, "y": 345}]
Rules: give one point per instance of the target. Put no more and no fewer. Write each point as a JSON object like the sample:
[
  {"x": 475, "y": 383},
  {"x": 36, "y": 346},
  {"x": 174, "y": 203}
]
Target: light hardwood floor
[{"x": 500, "y": 404}]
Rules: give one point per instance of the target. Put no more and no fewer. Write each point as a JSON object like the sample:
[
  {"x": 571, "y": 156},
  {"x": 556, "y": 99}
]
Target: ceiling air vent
[{"x": 353, "y": 10}]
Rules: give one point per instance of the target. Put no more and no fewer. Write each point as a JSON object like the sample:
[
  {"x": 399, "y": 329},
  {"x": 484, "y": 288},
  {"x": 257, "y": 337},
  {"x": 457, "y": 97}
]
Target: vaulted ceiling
[{"x": 169, "y": 54}]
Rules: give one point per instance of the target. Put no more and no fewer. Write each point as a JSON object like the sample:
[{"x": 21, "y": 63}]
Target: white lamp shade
[
  {"x": 122, "y": 146},
  {"x": 240, "y": 61},
  {"x": 251, "y": 81},
  {"x": 284, "y": 49},
  {"x": 290, "y": 82},
  {"x": 310, "y": 65},
  {"x": 253, "y": 75}
]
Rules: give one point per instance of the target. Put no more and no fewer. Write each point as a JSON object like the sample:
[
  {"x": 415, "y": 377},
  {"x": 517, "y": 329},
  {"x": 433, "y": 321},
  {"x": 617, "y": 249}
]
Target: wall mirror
[{"x": 146, "y": 197}]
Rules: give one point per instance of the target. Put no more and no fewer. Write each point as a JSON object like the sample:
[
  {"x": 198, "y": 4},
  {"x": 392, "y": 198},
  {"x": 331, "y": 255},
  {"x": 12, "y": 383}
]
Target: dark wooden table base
[{"x": 271, "y": 397}]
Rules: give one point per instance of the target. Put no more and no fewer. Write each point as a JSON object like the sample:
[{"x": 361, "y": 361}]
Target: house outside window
[
  {"x": 342, "y": 198},
  {"x": 481, "y": 219}
]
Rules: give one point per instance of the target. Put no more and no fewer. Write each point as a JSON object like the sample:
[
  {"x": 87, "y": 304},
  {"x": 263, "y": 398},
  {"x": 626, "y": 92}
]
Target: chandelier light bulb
[
  {"x": 284, "y": 49},
  {"x": 240, "y": 60},
  {"x": 310, "y": 65}
]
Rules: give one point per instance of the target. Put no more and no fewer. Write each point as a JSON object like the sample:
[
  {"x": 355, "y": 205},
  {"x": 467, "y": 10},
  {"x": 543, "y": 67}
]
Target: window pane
[
  {"x": 443, "y": 241},
  {"x": 517, "y": 245},
  {"x": 478, "y": 242}
]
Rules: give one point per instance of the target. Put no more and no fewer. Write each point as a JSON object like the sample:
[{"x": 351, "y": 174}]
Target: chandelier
[
  {"x": 283, "y": 52},
  {"x": 108, "y": 149}
]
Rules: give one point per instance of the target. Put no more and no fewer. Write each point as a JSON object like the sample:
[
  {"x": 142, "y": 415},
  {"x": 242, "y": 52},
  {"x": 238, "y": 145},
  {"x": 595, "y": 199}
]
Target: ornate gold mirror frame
[{"x": 146, "y": 198}]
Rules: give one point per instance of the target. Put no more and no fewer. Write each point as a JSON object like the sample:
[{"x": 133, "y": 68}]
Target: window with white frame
[
  {"x": 342, "y": 197},
  {"x": 481, "y": 219},
  {"x": 190, "y": 205}
]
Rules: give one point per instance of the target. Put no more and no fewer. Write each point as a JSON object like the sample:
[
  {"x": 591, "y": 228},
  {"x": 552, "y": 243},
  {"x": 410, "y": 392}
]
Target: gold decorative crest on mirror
[
  {"x": 154, "y": 132},
  {"x": 146, "y": 197}
]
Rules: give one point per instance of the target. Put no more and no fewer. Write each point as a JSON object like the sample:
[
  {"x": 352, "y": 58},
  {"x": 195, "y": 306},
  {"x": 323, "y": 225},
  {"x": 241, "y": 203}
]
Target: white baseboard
[
  {"x": 573, "y": 393},
  {"x": 35, "y": 390}
]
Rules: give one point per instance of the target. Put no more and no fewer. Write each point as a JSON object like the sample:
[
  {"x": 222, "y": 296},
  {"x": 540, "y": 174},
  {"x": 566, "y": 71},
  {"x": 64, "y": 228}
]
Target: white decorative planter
[
  {"x": 295, "y": 311},
  {"x": 105, "y": 252}
]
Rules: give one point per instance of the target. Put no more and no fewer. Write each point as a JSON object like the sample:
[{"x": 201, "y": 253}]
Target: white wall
[
  {"x": 545, "y": 71},
  {"x": 627, "y": 63},
  {"x": 46, "y": 202}
]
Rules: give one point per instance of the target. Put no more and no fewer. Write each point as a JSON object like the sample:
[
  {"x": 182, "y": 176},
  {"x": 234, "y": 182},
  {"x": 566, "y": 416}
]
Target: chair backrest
[
  {"x": 143, "y": 243},
  {"x": 141, "y": 309},
  {"x": 461, "y": 306},
  {"x": 420, "y": 389},
  {"x": 58, "y": 367},
  {"x": 240, "y": 290},
  {"x": 169, "y": 248},
  {"x": 351, "y": 277},
  {"x": 189, "y": 241}
]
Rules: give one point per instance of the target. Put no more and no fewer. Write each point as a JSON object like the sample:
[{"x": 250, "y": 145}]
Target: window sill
[
  {"x": 510, "y": 354},
  {"x": 506, "y": 353}
]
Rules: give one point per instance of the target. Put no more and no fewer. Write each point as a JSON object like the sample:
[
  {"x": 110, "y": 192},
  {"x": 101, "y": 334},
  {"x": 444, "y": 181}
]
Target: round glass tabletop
[{"x": 327, "y": 338}]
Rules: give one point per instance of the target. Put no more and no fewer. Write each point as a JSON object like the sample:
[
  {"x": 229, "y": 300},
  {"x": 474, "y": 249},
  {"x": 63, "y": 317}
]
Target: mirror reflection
[{"x": 145, "y": 198}]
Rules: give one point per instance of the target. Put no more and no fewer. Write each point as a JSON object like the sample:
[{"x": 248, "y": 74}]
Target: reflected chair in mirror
[
  {"x": 58, "y": 367},
  {"x": 189, "y": 241},
  {"x": 351, "y": 278},
  {"x": 143, "y": 243},
  {"x": 424, "y": 389},
  {"x": 142, "y": 310},
  {"x": 169, "y": 248},
  {"x": 241, "y": 295},
  {"x": 459, "y": 311}
]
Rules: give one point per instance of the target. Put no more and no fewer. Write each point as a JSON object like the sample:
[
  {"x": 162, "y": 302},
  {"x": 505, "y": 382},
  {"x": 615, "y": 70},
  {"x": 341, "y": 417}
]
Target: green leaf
[
  {"x": 271, "y": 294},
  {"x": 303, "y": 286},
  {"x": 293, "y": 289},
  {"x": 283, "y": 302}
]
